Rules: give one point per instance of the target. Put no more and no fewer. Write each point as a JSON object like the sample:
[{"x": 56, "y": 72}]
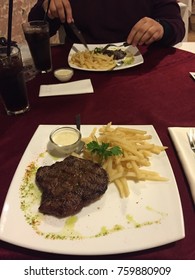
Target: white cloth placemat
[
  {"x": 186, "y": 155},
  {"x": 77, "y": 87}
]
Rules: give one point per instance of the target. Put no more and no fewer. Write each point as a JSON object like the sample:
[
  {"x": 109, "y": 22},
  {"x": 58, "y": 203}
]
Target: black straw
[
  {"x": 48, "y": 4},
  {"x": 78, "y": 121},
  {"x": 9, "y": 33}
]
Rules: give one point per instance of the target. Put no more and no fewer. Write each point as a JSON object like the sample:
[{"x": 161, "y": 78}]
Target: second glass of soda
[{"x": 37, "y": 36}]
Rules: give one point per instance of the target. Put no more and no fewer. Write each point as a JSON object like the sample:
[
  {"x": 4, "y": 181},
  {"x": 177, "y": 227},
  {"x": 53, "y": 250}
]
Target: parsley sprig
[{"x": 103, "y": 150}]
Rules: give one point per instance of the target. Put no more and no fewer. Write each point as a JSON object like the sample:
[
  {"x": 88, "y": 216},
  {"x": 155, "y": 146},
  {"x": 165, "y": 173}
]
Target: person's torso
[{"x": 108, "y": 20}]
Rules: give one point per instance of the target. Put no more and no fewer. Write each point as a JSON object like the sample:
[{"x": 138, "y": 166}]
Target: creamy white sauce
[
  {"x": 63, "y": 72},
  {"x": 65, "y": 137}
]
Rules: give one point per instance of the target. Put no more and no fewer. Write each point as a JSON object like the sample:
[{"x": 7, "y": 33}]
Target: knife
[{"x": 78, "y": 33}]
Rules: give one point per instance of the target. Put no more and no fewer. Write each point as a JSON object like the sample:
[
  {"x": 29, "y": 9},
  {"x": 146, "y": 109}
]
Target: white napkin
[
  {"x": 186, "y": 155},
  {"x": 77, "y": 87}
]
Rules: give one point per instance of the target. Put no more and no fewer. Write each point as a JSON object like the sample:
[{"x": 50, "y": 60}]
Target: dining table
[{"x": 159, "y": 92}]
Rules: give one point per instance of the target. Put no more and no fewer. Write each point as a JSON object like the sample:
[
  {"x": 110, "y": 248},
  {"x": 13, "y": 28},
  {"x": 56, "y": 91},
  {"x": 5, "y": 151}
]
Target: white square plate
[
  {"x": 138, "y": 58},
  {"x": 151, "y": 216}
]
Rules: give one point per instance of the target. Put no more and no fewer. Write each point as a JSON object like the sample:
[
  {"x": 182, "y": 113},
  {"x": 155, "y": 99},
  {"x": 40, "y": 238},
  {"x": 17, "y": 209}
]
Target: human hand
[
  {"x": 59, "y": 9},
  {"x": 145, "y": 31}
]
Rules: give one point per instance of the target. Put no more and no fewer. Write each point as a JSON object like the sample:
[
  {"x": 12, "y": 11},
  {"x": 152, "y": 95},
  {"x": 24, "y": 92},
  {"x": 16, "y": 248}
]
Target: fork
[
  {"x": 125, "y": 44},
  {"x": 191, "y": 138}
]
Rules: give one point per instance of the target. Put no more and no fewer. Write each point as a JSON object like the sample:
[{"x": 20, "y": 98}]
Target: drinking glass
[
  {"x": 37, "y": 36},
  {"x": 13, "y": 90}
]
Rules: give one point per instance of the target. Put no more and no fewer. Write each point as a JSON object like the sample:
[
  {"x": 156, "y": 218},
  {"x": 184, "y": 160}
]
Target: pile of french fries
[
  {"x": 91, "y": 60},
  {"x": 137, "y": 151}
]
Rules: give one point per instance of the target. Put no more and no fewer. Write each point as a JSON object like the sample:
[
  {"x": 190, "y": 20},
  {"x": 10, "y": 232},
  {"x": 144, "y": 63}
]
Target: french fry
[
  {"x": 90, "y": 60},
  {"x": 137, "y": 152}
]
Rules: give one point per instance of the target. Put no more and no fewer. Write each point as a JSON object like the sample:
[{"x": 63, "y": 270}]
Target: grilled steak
[{"x": 69, "y": 185}]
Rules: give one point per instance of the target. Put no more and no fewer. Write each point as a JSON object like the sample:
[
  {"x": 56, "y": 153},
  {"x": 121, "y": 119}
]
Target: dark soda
[
  {"x": 39, "y": 45},
  {"x": 13, "y": 90}
]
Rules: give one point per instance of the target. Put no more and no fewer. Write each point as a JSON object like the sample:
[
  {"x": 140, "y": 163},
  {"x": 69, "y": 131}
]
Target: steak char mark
[{"x": 70, "y": 185}]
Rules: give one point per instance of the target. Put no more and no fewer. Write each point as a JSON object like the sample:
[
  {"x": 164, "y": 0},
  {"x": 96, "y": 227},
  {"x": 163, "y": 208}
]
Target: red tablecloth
[{"x": 159, "y": 92}]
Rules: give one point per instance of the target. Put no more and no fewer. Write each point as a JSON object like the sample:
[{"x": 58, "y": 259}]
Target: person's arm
[
  {"x": 165, "y": 27},
  {"x": 168, "y": 32},
  {"x": 58, "y": 11},
  {"x": 168, "y": 14},
  {"x": 37, "y": 12},
  {"x": 145, "y": 32}
]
